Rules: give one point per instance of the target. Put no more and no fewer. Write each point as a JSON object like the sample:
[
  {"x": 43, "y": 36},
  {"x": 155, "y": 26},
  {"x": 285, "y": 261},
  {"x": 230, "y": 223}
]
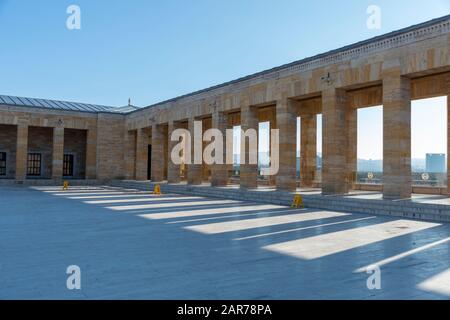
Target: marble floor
[{"x": 134, "y": 245}]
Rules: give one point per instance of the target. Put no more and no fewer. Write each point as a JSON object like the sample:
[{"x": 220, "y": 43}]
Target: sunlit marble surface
[{"x": 134, "y": 245}]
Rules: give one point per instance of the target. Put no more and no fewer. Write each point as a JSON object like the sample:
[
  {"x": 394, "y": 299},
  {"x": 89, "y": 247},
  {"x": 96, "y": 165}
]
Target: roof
[
  {"x": 62, "y": 105},
  {"x": 126, "y": 109}
]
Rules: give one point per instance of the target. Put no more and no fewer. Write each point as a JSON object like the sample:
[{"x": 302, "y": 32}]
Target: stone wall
[{"x": 110, "y": 147}]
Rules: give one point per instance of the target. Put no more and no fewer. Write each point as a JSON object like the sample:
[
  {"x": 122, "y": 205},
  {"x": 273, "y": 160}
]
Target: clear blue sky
[{"x": 155, "y": 50}]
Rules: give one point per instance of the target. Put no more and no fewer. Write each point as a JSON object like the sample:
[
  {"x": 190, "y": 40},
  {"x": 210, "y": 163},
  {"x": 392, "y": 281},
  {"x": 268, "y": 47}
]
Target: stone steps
[{"x": 402, "y": 208}]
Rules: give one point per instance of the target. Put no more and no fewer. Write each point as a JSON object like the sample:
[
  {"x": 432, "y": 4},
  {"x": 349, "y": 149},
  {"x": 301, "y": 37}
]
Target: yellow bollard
[
  {"x": 66, "y": 186},
  {"x": 298, "y": 202},
  {"x": 157, "y": 189}
]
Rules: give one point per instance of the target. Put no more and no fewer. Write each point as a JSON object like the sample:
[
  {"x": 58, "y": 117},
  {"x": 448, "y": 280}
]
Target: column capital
[
  {"x": 391, "y": 67},
  {"x": 288, "y": 105}
]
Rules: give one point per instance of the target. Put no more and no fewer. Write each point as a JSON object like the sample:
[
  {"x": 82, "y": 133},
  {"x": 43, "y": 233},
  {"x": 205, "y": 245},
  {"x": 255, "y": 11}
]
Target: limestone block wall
[
  {"x": 130, "y": 154},
  {"x": 143, "y": 138},
  {"x": 110, "y": 146},
  {"x": 96, "y": 139},
  {"x": 8, "y": 142}
]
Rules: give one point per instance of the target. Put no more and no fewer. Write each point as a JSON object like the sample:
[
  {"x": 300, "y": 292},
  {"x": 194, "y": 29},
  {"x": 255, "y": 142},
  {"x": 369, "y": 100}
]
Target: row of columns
[
  {"x": 286, "y": 121},
  {"x": 339, "y": 143},
  {"x": 57, "y": 153}
]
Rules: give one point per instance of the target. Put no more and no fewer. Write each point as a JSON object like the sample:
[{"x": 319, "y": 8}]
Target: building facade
[
  {"x": 53, "y": 140},
  {"x": 435, "y": 162}
]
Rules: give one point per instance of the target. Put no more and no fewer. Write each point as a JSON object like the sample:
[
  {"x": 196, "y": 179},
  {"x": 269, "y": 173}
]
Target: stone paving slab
[
  {"x": 422, "y": 207},
  {"x": 257, "y": 250}
]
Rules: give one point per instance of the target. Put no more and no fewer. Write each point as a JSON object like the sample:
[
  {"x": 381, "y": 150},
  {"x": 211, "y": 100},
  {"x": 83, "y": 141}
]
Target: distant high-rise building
[{"x": 435, "y": 162}]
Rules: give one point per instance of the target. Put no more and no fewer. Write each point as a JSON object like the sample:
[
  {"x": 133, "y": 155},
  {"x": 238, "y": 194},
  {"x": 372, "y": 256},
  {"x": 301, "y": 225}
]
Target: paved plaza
[{"x": 134, "y": 245}]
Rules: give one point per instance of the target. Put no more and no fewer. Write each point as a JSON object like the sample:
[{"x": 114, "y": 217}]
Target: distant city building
[
  {"x": 435, "y": 162},
  {"x": 418, "y": 165}
]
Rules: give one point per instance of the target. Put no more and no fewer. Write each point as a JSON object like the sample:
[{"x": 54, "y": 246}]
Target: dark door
[
  {"x": 149, "y": 163},
  {"x": 68, "y": 165}
]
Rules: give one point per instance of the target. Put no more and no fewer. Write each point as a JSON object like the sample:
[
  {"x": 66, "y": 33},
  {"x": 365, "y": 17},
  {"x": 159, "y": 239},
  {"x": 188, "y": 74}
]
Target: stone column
[
  {"x": 396, "y": 135},
  {"x": 58, "y": 153},
  {"x": 130, "y": 154},
  {"x": 174, "y": 170},
  {"x": 219, "y": 172},
  {"x": 308, "y": 150},
  {"x": 448, "y": 134},
  {"x": 249, "y": 172},
  {"x": 335, "y": 177},
  {"x": 91, "y": 154},
  {"x": 272, "y": 180},
  {"x": 195, "y": 170},
  {"x": 352, "y": 147},
  {"x": 21, "y": 152},
  {"x": 158, "y": 157},
  {"x": 287, "y": 123},
  {"x": 142, "y": 142},
  {"x": 206, "y": 169}
]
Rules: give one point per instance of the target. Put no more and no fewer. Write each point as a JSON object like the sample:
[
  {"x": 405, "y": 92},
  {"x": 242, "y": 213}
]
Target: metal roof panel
[{"x": 57, "y": 104}]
